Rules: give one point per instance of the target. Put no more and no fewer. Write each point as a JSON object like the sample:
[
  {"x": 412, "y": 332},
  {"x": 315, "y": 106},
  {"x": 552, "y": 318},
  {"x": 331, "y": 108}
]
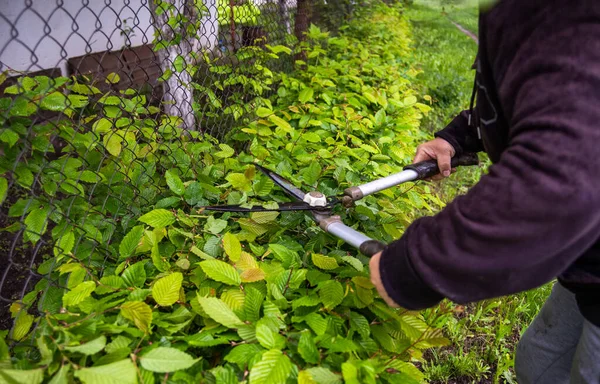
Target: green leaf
[
  {"x": 279, "y": 122},
  {"x": 165, "y": 291},
  {"x": 324, "y": 262},
  {"x": 113, "y": 144},
  {"x": 81, "y": 292},
  {"x": 55, "y": 101},
  {"x": 22, "y": 325},
  {"x": 288, "y": 257},
  {"x": 215, "y": 226},
  {"x": 179, "y": 63},
  {"x": 263, "y": 112},
  {"x": 158, "y": 218},
  {"x": 306, "y": 94},
  {"x": 164, "y": 359},
  {"x": 307, "y": 348},
  {"x": 306, "y": 301},
  {"x": 175, "y": 184},
  {"x": 3, "y": 189},
  {"x": 225, "y": 152},
  {"x": 354, "y": 262},
  {"x": 273, "y": 368},
  {"x": 121, "y": 372},
  {"x": 360, "y": 324},
  {"x": 36, "y": 223},
  {"x": 135, "y": 275},
  {"x": 90, "y": 348},
  {"x": 324, "y": 376},
  {"x": 9, "y": 137},
  {"x": 219, "y": 312},
  {"x": 102, "y": 126},
  {"x": 139, "y": 312},
  {"x": 252, "y": 304},
  {"x": 239, "y": 181},
  {"x": 62, "y": 376},
  {"x": 112, "y": 78},
  {"x": 350, "y": 373},
  {"x": 243, "y": 353},
  {"x": 331, "y": 293},
  {"x": 267, "y": 336},
  {"x": 17, "y": 376},
  {"x": 221, "y": 271},
  {"x": 311, "y": 173},
  {"x": 232, "y": 246},
  {"x": 131, "y": 241},
  {"x": 65, "y": 244}
]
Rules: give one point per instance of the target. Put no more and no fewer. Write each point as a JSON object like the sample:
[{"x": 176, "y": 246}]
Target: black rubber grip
[
  {"x": 430, "y": 168},
  {"x": 371, "y": 247}
]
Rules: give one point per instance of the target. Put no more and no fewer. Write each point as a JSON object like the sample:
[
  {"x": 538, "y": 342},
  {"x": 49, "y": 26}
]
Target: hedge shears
[{"x": 321, "y": 206}]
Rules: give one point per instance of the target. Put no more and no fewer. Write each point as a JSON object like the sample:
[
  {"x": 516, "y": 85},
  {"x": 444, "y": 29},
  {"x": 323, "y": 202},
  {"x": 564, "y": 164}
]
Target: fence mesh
[{"x": 91, "y": 95}]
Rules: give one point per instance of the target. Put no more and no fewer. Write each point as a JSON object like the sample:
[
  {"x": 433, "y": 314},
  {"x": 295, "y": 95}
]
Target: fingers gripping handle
[{"x": 430, "y": 168}]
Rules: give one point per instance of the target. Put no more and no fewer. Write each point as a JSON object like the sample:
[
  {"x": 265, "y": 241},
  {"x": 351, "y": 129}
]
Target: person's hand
[
  {"x": 376, "y": 280},
  {"x": 440, "y": 150}
]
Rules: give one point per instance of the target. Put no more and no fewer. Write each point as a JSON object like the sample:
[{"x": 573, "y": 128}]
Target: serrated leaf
[
  {"x": 324, "y": 376},
  {"x": 131, "y": 241},
  {"x": 288, "y": 257},
  {"x": 90, "y": 348},
  {"x": 135, "y": 275},
  {"x": 65, "y": 244},
  {"x": 306, "y": 301},
  {"x": 354, "y": 262},
  {"x": 279, "y": 122},
  {"x": 267, "y": 337},
  {"x": 121, "y": 372},
  {"x": 252, "y": 304},
  {"x": 350, "y": 373},
  {"x": 54, "y": 101},
  {"x": 264, "y": 217},
  {"x": 22, "y": 325},
  {"x": 138, "y": 312},
  {"x": 408, "y": 368},
  {"x": 3, "y": 189},
  {"x": 174, "y": 183},
  {"x": 331, "y": 293},
  {"x": 113, "y": 144},
  {"x": 324, "y": 262},
  {"x": 79, "y": 293},
  {"x": 232, "y": 246},
  {"x": 221, "y": 271},
  {"x": 215, "y": 226},
  {"x": 360, "y": 324},
  {"x": 311, "y": 173},
  {"x": 316, "y": 322},
  {"x": 273, "y": 368},
  {"x": 225, "y": 152},
  {"x": 247, "y": 261},
  {"x": 62, "y": 376},
  {"x": 242, "y": 354},
  {"x": 102, "y": 126},
  {"x": 239, "y": 181},
  {"x": 219, "y": 312},
  {"x": 307, "y": 348},
  {"x": 264, "y": 186},
  {"x": 36, "y": 223},
  {"x": 17, "y": 376},
  {"x": 251, "y": 275},
  {"x": 165, "y": 359},
  {"x": 158, "y": 218},
  {"x": 165, "y": 290},
  {"x": 305, "y": 95}
]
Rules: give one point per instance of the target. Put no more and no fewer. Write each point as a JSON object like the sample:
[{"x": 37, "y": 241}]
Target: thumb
[{"x": 444, "y": 164}]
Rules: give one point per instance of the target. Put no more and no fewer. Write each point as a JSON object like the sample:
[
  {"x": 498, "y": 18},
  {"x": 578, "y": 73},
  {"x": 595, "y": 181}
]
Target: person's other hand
[
  {"x": 376, "y": 280},
  {"x": 440, "y": 150}
]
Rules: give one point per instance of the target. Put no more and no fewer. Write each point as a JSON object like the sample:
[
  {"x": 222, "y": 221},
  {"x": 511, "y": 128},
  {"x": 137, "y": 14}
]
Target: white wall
[{"x": 45, "y": 34}]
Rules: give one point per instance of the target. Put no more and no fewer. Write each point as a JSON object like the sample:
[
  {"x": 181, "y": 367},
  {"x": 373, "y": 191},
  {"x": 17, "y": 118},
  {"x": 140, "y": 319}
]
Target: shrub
[{"x": 140, "y": 284}]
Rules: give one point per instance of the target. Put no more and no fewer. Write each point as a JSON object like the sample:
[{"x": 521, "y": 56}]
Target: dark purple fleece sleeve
[
  {"x": 538, "y": 209},
  {"x": 462, "y": 137}
]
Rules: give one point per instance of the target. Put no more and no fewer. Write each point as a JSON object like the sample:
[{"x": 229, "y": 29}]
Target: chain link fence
[{"x": 94, "y": 96}]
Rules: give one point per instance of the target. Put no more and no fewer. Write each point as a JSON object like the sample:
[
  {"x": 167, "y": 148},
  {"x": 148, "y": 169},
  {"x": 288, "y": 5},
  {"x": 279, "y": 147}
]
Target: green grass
[{"x": 484, "y": 334}]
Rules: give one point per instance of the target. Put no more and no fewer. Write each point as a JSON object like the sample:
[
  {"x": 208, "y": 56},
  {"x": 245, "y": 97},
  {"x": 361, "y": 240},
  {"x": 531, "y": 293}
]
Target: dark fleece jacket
[{"x": 536, "y": 215}]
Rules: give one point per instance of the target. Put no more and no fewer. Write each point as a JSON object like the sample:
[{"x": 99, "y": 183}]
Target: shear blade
[
  {"x": 288, "y": 187},
  {"x": 283, "y": 207}
]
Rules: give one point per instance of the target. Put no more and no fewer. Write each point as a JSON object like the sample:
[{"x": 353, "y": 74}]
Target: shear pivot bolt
[{"x": 315, "y": 199}]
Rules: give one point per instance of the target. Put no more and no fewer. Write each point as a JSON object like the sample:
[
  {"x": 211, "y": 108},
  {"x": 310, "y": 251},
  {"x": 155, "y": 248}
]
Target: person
[{"x": 535, "y": 216}]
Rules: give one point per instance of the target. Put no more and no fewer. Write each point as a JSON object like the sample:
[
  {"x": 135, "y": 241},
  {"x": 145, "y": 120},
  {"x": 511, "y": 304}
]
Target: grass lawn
[{"x": 483, "y": 335}]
